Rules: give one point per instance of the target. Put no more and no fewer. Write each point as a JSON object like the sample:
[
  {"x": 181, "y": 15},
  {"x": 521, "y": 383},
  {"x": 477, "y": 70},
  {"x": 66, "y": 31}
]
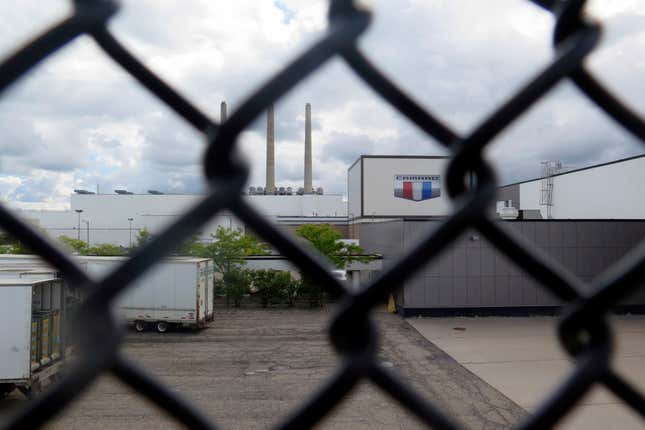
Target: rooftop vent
[{"x": 83, "y": 192}]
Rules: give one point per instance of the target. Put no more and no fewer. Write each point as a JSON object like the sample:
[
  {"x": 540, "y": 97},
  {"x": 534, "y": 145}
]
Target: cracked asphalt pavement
[{"x": 251, "y": 367}]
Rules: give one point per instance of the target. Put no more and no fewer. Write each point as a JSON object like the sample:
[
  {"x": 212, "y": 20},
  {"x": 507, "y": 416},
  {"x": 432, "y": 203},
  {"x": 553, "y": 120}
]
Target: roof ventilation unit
[
  {"x": 507, "y": 211},
  {"x": 83, "y": 192}
]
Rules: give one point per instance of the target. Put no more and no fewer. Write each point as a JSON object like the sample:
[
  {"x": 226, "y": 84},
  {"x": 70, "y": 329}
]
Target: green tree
[
  {"x": 143, "y": 237},
  {"x": 74, "y": 245},
  {"x": 327, "y": 241},
  {"x": 228, "y": 248},
  {"x": 106, "y": 249},
  {"x": 10, "y": 245}
]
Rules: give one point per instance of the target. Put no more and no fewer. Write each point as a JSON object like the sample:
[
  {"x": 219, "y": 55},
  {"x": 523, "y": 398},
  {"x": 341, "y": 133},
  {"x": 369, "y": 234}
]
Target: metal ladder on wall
[{"x": 549, "y": 169}]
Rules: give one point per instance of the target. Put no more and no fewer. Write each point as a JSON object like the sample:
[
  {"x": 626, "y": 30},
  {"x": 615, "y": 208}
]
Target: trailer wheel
[
  {"x": 162, "y": 326},
  {"x": 140, "y": 326}
]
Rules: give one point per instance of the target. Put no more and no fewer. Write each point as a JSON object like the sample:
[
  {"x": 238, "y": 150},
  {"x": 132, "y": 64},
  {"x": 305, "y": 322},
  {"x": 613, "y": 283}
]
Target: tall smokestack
[
  {"x": 270, "y": 183},
  {"x": 308, "y": 186},
  {"x": 222, "y": 112}
]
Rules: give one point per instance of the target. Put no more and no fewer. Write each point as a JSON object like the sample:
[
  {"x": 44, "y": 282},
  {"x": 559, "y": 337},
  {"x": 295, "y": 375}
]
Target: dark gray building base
[{"x": 472, "y": 278}]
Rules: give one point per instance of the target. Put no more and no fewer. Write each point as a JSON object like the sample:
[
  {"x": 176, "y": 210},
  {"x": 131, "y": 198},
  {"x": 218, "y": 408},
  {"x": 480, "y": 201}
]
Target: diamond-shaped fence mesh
[{"x": 583, "y": 331}]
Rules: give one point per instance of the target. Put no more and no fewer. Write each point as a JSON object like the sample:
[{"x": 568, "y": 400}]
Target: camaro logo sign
[{"x": 417, "y": 187}]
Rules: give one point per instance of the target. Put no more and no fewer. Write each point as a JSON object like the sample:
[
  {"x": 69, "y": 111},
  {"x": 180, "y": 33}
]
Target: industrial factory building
[
  {"x": 605, "y": 191},
  {"x": 387, "y": 187},
  {"x": 585, "y": 220},
  {"x": 117, "y": 218}
]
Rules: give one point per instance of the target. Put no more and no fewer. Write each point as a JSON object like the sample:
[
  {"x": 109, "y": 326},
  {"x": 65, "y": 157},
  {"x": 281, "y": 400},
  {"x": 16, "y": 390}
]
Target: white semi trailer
[
  {"x": 34, "y": 314},
  {"x": 177, "y": 291}
]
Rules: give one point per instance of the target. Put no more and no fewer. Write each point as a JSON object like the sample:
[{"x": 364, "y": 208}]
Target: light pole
[
  {"x": 78, "y": 230},
  {"x": 87, "y": 223},
  {"x": 130, "y": 221}
]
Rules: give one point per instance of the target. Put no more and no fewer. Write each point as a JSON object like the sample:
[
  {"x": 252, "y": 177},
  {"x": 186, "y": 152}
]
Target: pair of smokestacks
[{"x": 270, "y": 167}]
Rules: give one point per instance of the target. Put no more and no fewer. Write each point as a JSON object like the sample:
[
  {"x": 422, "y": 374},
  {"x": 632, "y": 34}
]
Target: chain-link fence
[{"x": 584, "y": 330}]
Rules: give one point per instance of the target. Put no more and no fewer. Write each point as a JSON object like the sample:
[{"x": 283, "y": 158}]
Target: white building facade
[
  {"x": 118, "y": 218},
  {"x": 611, "y": 190}
]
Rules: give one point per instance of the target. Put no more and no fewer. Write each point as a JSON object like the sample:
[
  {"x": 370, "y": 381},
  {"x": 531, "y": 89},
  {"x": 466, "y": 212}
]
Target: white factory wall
[
  {"x": 378, "y": 187},
  {"x": 325, "y": 205},
  {"x": 611, "y": 191},
  {"x": 108, "y": 214}
]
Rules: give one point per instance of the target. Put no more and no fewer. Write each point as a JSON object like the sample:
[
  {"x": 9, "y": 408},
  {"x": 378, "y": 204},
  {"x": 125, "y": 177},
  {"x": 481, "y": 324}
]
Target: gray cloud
[{"x": 79, "y": 120}]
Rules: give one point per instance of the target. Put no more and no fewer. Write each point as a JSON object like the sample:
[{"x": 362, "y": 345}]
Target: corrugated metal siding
[{"x": 471, "y": 273}]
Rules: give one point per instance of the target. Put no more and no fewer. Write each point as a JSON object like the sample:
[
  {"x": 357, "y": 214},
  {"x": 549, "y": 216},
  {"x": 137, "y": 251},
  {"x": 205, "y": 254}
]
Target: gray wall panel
[
  {"x": 459, "y": 255},
  {"x": 472, "y": 273},
  {"x": 556, "y": 234},
  {"x": 460, "y": 291},
  {"x": 510, "y": 192},
  {"x": 488, "y": 291},
  {"x": 515, "y": 290},
  {"x": 487, "y": 262},
  {"x": 432, "y": 286},
  {"x": 529, "y": 292},
  {"x": 473, "y": 261},
  {"x": 541, "y": 234},
  {"x": 502, "y": 265},
  {"x": 570, "y": 235},
  {"x": 502, "y": 291},
  {"x": 415, "y": 292},
  {"x": 446, "y": 292},
  {"x": 474, "y": 288},
  {"x": 447, "y": 263}
]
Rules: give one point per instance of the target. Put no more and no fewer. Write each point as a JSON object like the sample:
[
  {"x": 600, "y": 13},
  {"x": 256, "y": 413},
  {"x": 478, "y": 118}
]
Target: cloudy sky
[{"x": 79, "y": 121}]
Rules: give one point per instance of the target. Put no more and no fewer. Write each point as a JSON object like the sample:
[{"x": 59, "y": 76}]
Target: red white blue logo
[{"x": 417, "y": 187}]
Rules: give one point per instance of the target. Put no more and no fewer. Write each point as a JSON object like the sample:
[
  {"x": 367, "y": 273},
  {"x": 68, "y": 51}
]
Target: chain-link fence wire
[{"x": 583, "y": 331}]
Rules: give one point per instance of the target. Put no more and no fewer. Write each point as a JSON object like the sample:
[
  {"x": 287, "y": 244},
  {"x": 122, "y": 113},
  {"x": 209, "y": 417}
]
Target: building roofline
[
  {"x": 621, "y": 160},
  {"x": 429, "y": 157}
]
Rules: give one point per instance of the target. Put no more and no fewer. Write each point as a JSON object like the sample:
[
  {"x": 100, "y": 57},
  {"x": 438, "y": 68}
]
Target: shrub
[
  {"x": 312, "y": 290},
  {"x": 236, "y": 284},
  {"x": 292, "y": 290},
  {"x": 274, "y": 286}
]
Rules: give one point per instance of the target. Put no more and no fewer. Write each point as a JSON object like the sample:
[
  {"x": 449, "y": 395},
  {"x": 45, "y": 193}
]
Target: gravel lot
[{"x": 251, "y": 367}]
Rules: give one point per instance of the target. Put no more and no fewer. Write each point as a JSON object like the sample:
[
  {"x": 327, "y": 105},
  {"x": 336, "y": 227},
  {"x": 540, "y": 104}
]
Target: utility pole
[
  {"x": 130, "y": 221},
  {"x": 78, "y": 230},
  {"x": 87, "y": 223}
]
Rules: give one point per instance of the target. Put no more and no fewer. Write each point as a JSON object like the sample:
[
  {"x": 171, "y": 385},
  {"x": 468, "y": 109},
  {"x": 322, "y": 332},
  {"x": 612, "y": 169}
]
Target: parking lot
[
  {"x": 522, "y": 357},
  {"x": 250, "y": 368}
]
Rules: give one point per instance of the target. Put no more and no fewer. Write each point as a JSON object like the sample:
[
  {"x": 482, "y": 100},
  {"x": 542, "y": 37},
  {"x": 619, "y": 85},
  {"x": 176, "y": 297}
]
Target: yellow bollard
[{"x": 391, "y": 305}]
